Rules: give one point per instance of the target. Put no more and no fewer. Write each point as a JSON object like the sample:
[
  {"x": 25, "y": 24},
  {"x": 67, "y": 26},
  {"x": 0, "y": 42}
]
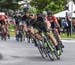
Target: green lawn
[
  {"x": 64, "y": 35},
  {"x": 11, "y": 30}
]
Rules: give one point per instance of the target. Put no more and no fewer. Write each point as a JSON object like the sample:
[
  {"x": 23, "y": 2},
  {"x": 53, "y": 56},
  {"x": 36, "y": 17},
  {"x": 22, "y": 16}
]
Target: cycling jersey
[
  {"x": 39, "y": 24},
  {"x": 26, "y": 20},
  {"x": 2, "y": 19},
  {"x": 17, "y": 19},
  {"x": 52, "y": 20}
]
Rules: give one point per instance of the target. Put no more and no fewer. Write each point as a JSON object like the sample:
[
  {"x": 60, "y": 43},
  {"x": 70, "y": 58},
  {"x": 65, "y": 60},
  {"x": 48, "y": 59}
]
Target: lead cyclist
[{"x": 39, "y": 25}]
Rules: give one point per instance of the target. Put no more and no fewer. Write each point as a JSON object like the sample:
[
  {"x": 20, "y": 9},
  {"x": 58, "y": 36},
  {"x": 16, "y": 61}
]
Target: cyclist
[
  {"x": 0, "y": 29},
  {"x": 25, "y": 20},
  {"x": 17, "y": 18},
  {"x": 19, "y": 31},
  {"x": 4, "y": 32},
  {"x": 33, "y": 28},
  {"x": 43, "y": 25},
  {"x": 54, "y": 25},
  {"x": 3, "y": 19}
]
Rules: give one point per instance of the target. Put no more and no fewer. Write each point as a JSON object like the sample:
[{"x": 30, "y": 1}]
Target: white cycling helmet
[
  {"x": 20, "y": 23},
  {"x": 44, "y": 13}
]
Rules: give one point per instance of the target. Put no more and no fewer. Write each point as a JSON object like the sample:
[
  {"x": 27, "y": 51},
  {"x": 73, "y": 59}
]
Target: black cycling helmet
[
  {"x": 39, "y": 14},
  {"x": 49, "y": 13}
]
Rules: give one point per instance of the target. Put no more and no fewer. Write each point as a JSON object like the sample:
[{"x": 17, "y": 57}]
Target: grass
[
  {"x": 64, "y": 35},
  {"x": 11, "y": 30},
  {"x": 12, "y": 34}
]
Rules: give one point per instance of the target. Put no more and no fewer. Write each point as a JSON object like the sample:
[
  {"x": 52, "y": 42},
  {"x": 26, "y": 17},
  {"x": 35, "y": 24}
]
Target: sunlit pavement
[{"x": 17, "y": 53}]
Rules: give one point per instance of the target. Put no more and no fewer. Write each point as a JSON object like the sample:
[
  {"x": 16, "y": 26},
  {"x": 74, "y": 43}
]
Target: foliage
[
  {"x": 32, "y": 10},
  {"x": 10, "y": 4},
  {"x": 53, "y": 5}
]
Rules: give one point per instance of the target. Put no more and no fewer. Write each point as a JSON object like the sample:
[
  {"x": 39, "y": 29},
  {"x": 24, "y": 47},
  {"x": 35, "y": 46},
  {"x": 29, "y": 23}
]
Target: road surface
[{"x": 14, "y": 53}]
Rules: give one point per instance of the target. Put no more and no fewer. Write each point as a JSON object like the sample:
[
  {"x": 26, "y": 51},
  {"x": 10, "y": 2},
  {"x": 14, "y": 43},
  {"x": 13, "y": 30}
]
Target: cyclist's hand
[{"x": 58, "y": 27}]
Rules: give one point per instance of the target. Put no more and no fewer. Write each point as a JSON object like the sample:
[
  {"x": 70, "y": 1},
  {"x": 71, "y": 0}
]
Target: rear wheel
[{"x": 55, "y": 52}]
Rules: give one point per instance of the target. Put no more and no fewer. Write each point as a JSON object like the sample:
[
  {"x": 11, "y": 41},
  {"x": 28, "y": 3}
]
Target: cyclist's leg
[
  {"x": 35, "y": 33},
  {"x": 25, "y": 27},
  {"x": 55, "y": 32},
  {"x": 16, "y": 32},
  {"x": 53, "y": 40}
]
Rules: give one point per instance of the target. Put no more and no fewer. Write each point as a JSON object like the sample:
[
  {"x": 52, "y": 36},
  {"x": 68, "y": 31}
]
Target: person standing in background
[{"x": 68, "y": 25}]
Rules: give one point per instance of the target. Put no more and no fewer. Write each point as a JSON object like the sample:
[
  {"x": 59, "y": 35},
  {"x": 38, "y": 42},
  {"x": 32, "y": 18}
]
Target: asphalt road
[{"x": 14, "y": 53}]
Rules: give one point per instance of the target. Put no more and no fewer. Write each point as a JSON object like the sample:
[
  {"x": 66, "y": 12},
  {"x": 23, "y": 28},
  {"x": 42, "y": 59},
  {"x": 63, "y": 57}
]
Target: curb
[{"x": 68, "y": 39}]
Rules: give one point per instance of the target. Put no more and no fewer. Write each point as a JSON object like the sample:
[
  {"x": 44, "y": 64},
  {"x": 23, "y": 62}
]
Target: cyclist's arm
[
  {"x": 47, "y": 24},
  {"x": 56, "y": 21}
]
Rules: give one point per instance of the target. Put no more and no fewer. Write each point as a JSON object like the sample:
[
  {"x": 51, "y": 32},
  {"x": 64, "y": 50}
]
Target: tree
[
  {"x": 38, "y": 4},
  {"x": 10, "y": 4},
  {"x": 74, "y": 1},
  {"x": 53, "y": 5},
  {"x": 32, "y": 10}
]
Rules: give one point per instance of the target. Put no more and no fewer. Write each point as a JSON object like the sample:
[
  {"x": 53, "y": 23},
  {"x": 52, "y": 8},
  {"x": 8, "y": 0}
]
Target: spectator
[
  {"x": 68, "y": 25},
  {"x": 64, "y": 24}
]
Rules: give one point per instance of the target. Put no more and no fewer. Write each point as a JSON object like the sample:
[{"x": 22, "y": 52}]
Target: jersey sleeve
[{"x": 55, "y": 19}]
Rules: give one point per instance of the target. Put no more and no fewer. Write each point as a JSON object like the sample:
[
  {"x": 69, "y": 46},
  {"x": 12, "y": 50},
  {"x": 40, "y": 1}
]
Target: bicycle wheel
[
  {"x": 55, "y": 53},
  {"x": 50, "y": 52},
  {"x": 41, "y": 49}
]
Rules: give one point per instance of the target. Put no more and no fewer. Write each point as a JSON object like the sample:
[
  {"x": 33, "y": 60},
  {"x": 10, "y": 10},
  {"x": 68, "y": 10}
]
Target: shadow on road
[
  {"x": 37, "y": 58},
  {"x": 31, "y": 58},
  {"x": 1, "y": 56}
]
